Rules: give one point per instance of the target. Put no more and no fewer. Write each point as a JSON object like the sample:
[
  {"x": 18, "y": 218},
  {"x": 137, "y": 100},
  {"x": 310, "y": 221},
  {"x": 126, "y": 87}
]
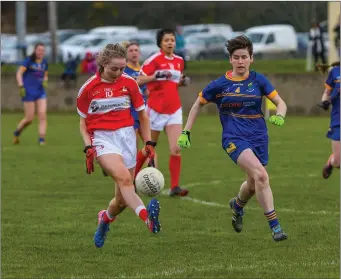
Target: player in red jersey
[
  {"x": 106, "y": 126},
  {"x": 163, "y": 73}
]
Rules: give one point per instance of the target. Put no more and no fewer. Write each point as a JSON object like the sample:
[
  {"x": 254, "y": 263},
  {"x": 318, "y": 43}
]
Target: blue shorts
[
  {"x": 234, "y": 146},
  {"x": 32, "y": 96},
  {"x": 334, "y": 133}
]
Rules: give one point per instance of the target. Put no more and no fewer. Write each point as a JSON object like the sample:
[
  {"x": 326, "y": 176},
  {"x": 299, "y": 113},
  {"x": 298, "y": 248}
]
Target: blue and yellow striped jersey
[
  {"x": 333, "y": 83},
  {"x": 239, "y": 101}
]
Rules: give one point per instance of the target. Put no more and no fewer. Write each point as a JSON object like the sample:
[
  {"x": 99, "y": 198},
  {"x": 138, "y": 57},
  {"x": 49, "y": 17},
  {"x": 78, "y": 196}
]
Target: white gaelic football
[{"x": 149, "y": 182}]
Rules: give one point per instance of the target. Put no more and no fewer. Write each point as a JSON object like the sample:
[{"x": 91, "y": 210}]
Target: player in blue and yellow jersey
[
  {"x": 238, "y": 96},
  {"x": 32, "y": 82},
  {"x": 331, "y": 96},
  {"x": 133, "y": 69}
]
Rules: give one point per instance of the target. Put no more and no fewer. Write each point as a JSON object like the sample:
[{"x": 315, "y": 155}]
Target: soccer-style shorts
[
  {"x": 234, "y": 146},
  {"x": 159, "y": 121},
  {"x": 121, "y": 142},
  {"x": 32, "y": 96},
  {"x": 334, "y": 133}
]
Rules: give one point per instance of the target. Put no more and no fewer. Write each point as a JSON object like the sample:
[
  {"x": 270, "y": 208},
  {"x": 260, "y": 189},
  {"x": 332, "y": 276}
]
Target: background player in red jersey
[
  {"x": 106, "y": 126},
  {"x": 163, "y": 73}
]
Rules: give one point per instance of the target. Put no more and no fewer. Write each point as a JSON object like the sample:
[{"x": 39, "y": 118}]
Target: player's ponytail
[
  {"x": 323, "y": 68},
  {"x": 109, "y": 52}
]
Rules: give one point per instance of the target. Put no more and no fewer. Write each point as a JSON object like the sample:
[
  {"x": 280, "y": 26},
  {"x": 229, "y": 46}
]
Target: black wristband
[
  {"x": 87, "y": 147},
  {"x": 280, "y": 115},
  {"x": 152, "y": 143}
]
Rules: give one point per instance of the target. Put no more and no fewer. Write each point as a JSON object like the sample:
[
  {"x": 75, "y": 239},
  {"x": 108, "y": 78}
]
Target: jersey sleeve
[
  {"x": 83, "y": 101},
  {"x": 209, "y": 93},
  {"x": 149, "y": 67},
  {"x": 266, "y": 88},
  {"x": 136, "y": 96},
  {"x": 329, "y": 84}
]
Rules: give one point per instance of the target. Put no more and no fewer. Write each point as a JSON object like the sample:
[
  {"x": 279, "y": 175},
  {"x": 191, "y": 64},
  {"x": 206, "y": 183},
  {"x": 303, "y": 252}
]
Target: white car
[
  {"x": 147, "y": 44},
  {"x": 77, "y": 45},
  {"x": 9, "y": 52},
  {"x": 100, "y": 46}
]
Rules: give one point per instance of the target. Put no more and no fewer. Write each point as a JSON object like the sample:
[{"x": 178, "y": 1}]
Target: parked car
[
  {"x": 110, "y": 31},
  {"x": 76, "y": 45},
  {"x": 216, "y": 29},
  {"x": 271, "y": 40},
  {"x": 205, "y": 46}
]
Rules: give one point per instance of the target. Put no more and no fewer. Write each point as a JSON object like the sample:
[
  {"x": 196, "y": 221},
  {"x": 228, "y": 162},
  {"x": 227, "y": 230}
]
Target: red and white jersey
[
  {"x": 106, "y": 105},
  {"x": 163, "y": 93}
]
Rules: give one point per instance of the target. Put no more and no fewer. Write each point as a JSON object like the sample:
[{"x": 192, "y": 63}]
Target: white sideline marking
[
  {"x": 214, "y": 204},
  {"x": 215, "y": 182}
]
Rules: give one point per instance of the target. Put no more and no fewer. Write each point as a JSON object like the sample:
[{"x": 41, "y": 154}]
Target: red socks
[
  {"x": 141, "y": 211},
  {"x": 106, "y": 218},
  {"x": 140, "y": 160},
  {"x": 174, "y": 168}
]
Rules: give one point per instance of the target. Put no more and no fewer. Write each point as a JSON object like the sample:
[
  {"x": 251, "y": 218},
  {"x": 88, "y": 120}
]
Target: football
[{"x": 149, "y": 182}]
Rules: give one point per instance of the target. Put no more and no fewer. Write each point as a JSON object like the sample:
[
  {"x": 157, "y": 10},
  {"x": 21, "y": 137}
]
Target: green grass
[
  {"x": 210, "y": 67},
  {"x": 49, "y": 210}
]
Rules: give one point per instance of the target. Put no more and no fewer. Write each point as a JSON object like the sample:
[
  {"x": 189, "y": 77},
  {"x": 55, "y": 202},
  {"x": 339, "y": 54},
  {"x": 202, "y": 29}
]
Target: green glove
[
  {"x": 45, "y": 84},
  {"x": 22, "y": 91},
  {"x": 184, "y": 141},
  {"x": 277, "y": 120}
]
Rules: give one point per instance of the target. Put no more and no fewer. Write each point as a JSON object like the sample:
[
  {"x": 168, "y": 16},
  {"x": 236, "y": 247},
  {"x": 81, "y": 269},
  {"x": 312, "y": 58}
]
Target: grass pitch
[{"x": 49, "y": 210}]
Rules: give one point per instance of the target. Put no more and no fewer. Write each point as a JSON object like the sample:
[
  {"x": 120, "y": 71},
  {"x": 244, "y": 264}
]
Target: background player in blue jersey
[
  {"x": 133, "y": 69},
  {"x": 331, "y": 95},
  {"x": 238, "y": 96},
  {"x": 32, "y": 82}
]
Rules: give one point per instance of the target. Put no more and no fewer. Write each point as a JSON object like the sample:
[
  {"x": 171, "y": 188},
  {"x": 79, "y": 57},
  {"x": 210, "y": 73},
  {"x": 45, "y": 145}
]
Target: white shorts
[
  {"x": 121, "y": 142},
  {"x": 159, "y": 121}
]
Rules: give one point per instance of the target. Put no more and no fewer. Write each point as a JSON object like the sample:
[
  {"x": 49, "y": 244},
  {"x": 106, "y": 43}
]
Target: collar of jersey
[
  {"x": 134, "y": 68},
  {"x": 167, "y": 57},
  {"x": 227, "y": 75}
]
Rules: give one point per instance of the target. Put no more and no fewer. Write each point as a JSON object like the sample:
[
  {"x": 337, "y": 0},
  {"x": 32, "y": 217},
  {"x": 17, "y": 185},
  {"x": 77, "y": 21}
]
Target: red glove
[
  {"x": 149, "y": 149},
  {"x": 90, "y": 152}
]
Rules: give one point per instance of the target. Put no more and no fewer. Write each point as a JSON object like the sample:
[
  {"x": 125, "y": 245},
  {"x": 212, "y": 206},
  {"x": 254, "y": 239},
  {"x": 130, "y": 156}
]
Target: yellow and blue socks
[
  {"x": 16, "y": 133},
  {"x": 239, "y": 204},
  {"x": 271, "y": 216}
]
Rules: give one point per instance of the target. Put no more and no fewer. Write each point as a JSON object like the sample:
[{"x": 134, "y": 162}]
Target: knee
[
  {"x": 29, "y": 119},
  {"x": 260, "y": 176},
  {"x": 175, "y": 150},
  {"x": 42, "y": 117},
  {"x": 124, "y": 181}
]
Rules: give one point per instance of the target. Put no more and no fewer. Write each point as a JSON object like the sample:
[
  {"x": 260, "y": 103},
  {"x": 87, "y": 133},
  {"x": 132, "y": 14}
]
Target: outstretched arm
[
  {"x": 184, "y": 141},
  {"x": 193, "y": 114}
]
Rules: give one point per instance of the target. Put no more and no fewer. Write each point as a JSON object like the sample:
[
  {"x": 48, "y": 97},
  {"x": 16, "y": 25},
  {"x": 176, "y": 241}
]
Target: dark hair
[
  {"x": 109, "y": 52},
  {"x": 239, "y": 42},
  {"x": 161, "y": 33},
  {"x": 33, "y": 55},
  {"x": 324, "y": 67}
]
